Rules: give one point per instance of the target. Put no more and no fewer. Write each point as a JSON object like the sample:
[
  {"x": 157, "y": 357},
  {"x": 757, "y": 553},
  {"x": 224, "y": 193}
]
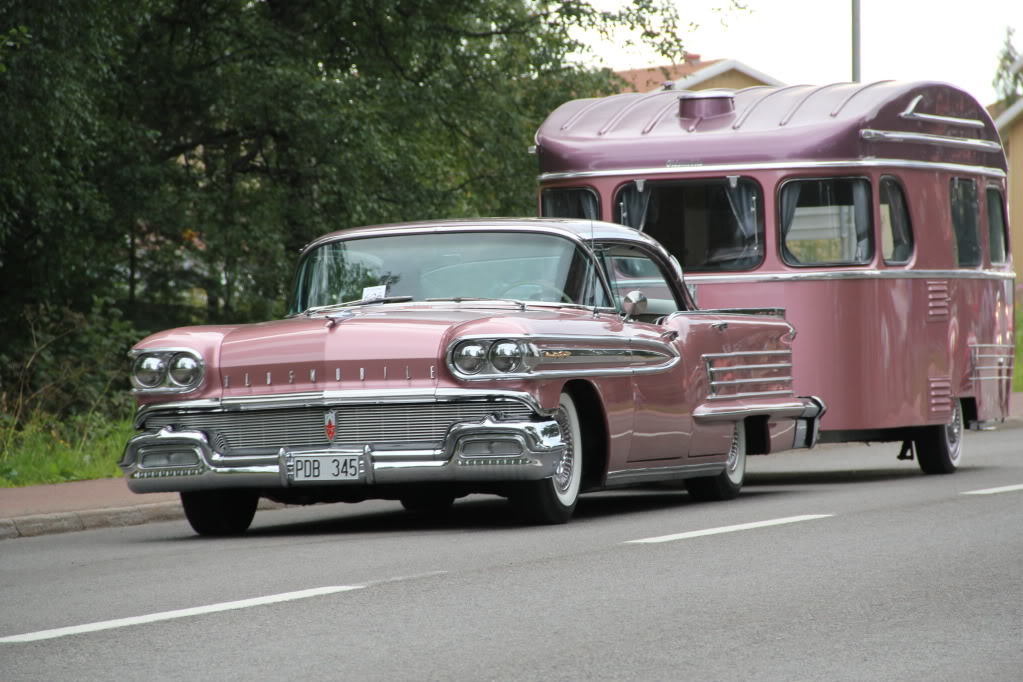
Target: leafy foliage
[
  {"x": 164, "y": 160},
  {"x": 1008, "y": 83}
]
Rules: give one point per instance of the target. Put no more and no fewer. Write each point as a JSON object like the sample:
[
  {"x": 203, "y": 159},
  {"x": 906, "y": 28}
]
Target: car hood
[{"x": 384, "y": 347}]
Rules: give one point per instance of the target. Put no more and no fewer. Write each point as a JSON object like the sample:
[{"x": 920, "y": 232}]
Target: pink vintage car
[{"x": 427, "y": 361}]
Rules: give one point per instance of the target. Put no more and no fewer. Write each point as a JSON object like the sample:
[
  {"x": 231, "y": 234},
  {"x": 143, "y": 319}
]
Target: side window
[
  {"x": 570, "y": 203},
  {"x": 711, "y": 225},
  {"x": 964, "y": 222},
  {"x": 896, "y": 230},
  {"x": 629, "y": 269},
  {"x": 996, "y": 225},
  {"x": 826, "y": 222}
]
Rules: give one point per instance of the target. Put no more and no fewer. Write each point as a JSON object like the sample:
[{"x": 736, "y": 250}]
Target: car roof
[{"x": 577, "y": 229}]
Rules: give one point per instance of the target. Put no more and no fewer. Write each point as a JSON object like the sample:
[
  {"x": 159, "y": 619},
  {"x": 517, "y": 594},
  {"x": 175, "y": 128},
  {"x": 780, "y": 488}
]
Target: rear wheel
[
  {"x": 553, "y": 500},
  {"x": 220, "y": 512},
  {"x": 940, "y": 448},
  {"x": 728, "y": 483}
]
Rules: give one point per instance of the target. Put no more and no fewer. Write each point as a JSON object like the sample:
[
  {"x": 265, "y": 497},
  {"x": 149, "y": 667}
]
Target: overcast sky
[{"x": 809, "y": 41}]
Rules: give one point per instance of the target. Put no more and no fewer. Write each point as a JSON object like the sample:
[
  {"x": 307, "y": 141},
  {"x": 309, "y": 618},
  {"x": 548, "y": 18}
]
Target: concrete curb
[{"x": 110, "y": 517}]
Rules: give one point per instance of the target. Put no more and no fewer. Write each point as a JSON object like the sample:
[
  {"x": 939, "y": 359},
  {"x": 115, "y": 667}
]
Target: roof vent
[{"x": 706, "y": 103}]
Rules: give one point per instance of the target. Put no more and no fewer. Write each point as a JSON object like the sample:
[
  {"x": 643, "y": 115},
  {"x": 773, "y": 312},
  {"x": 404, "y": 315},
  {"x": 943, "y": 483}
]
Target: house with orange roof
[
  {"x": 696, "y": 74},
  {"x": 1010, "y": 127}
]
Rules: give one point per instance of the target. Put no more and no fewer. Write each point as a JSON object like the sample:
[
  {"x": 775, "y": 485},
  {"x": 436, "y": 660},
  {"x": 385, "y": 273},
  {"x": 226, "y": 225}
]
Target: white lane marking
[
  {"x": 180, "y": 613},
  {"x": 992, "y": 491},
  {"x": 729, "y": 529}
]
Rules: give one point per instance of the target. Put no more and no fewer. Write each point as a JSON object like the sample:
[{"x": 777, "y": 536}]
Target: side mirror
[{"x": 634, "y": 303}]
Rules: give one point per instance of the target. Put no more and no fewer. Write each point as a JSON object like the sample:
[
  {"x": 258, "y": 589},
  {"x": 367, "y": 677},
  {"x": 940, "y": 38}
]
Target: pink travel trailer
[
  {"x": 533, "y": 358},
  {"x": 874, "y": 215}
]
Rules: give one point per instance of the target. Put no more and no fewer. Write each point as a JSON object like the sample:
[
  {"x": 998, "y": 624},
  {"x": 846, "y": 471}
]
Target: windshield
[{"x": 445, "y": 265}]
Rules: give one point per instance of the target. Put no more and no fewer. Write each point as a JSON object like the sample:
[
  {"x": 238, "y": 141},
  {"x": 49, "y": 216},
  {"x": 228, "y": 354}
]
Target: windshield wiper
[
  {"x": 460, "y": 299},
  {"x": 361, "y": 301}
]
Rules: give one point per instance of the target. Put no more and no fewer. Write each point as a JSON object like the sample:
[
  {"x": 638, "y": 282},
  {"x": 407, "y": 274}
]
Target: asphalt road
[{"x": 870, "y": 571}]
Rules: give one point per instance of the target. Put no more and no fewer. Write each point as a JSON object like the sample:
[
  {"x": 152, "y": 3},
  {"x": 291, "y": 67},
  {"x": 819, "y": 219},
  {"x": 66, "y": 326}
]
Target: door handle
[
  {"x": 720, "y": 326},
  {"x": 669, "y": 335}
]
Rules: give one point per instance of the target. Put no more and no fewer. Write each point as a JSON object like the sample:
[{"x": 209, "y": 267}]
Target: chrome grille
[{"x": 356, "y": 424}]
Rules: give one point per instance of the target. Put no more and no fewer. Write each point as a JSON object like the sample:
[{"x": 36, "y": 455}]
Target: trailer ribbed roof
[{"x": 921, "y": 121}]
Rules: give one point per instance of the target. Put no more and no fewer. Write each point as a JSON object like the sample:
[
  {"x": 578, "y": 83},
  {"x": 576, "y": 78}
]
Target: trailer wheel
[{"x": 940, "y": 448}]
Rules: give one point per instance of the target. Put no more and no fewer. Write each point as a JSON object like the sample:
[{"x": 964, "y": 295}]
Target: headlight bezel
[
  {"x": 523, "y": 352},
  {"x": 166, "y": 358}
]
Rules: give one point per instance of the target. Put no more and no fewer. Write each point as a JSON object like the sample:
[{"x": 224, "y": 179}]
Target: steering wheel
[{"x": 544, "y": 288}]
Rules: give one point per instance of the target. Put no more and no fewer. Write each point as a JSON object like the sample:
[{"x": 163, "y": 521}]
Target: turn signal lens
[
  {"x": 149, "y": 371},
  {"x": 469, "y": 357}
]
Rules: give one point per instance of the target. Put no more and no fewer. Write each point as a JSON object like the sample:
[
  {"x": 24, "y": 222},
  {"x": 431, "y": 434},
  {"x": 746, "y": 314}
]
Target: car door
[{"x": 664, "y": 431}]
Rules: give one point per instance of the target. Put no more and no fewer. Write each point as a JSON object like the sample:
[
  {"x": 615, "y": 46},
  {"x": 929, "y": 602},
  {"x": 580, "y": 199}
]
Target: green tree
[
  {"x": 1008, "y": 82},
  {"x": 170, "y": 157}
]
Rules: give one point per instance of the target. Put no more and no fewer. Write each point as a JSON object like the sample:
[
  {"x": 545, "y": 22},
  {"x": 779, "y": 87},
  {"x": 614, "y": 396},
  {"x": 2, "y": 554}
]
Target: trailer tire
[{"x": 939, "y": 449}]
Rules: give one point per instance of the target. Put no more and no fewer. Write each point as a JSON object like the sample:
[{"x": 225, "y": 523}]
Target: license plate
[{"x": 326, "y": 468}]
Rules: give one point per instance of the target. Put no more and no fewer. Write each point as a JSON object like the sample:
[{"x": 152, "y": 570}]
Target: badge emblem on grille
[{"x": 330, "y": 425}]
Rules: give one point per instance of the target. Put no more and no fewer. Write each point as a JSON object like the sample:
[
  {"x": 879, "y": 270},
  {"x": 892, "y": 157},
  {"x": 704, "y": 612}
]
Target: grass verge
[{"x": 48, "y": 450}]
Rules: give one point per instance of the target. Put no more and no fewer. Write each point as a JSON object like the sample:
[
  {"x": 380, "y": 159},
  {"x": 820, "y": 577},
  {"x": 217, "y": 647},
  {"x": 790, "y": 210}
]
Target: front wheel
[
  {"x": 727, "y": 484},
  {"x": 427, "y": 503},
  {"x": 220, "y": 512},
  {"x": 940, "y": 448},
  {"x": 553, "y": 500}
]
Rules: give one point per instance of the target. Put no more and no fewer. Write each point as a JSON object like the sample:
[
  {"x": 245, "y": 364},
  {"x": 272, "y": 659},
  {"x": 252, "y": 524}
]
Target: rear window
[
  {"x": 709, "y": 225},
  {"x": 964, "y": 222},
  {"x": 826, "y": 222}
]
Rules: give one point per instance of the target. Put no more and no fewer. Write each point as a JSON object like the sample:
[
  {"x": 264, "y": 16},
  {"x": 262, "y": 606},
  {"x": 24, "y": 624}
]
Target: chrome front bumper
[{"x": 184, "y": 460}]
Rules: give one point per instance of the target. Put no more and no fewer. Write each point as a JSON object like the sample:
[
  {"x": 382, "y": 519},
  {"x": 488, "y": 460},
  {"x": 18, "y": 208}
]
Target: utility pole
[{"x": 856, "y": 41}]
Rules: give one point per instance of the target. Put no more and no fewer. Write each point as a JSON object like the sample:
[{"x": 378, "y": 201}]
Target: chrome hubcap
[
  {"x": 954, "y": 432},
  {"x": 563, "y": 472},
  {"x": 733, "y": 453}
]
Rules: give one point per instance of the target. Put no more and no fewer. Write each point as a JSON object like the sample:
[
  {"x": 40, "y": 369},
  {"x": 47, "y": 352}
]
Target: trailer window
[
  {"x": 570, "y": 203},
  {"x": 964, "y": 222},
  {"x": 826, "y": 222},
  {"x": 996, "y": 225},
  {"x": 709, "y": 225},
  {"x": 896, "y": 231}
]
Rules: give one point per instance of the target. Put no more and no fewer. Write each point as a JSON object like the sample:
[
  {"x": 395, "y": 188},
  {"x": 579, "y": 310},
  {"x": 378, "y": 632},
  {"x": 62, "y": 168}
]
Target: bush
[
  {"x": 64, "y": 400},
  {"x": 47, "y": 449}
]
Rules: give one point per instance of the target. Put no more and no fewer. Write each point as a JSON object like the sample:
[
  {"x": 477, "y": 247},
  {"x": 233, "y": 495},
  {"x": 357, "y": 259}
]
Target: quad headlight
[
  {"x": 185, "y": 370},
  {"x": 166, "y": 370},
  {"x": 149, "y": 371},
  {"x": 469, "y": 357},
  {"x": 494, "y": 357}
]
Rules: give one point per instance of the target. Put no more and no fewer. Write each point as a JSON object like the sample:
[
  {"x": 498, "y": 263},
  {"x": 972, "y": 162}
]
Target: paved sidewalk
[{"x": 105, "y": 503}]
